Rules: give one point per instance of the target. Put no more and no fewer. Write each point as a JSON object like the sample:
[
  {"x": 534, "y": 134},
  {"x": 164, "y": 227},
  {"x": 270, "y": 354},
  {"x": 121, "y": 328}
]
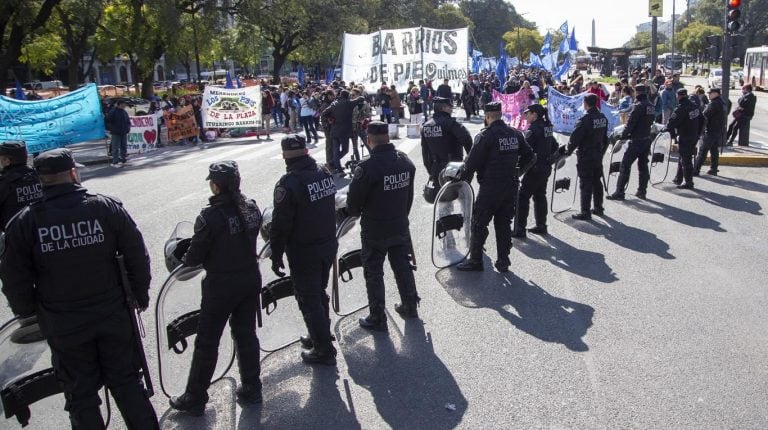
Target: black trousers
[
  {"x": 310, "y": 281},
  {"x": 534, "y": 185},
  {"x": 590, "y": 185},
  {"x": 687, "y": 150},
  {"x": 497, "y": 203},
  {"x": 398, "y": 249},
  {"x": 233, "y": 297},
  {"x": 102, "y": 354},
  {"x": 709, "y": 144},
  {"x": 635, "y": 151}
]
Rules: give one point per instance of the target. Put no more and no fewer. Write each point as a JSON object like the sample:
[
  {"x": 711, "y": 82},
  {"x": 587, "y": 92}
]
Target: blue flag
[
  {"x": 501, "y": 67},
  {"x": 19, "y": 91},
  {"x": 300, "y": 74},
  {"x": 563, "y": 69},
  {"x": 547, "y": 47},
  {"x": 237, "y": 81},
  {"x": 329, "y": 75},
  {"x": 228, "y": 83},
  {"x": 573, "y": 47},
  {"x": 564, "y": 28}
]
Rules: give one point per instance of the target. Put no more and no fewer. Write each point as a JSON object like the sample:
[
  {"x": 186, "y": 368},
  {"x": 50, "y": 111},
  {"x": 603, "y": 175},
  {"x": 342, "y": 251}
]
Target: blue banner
[
  {"x": 573, "y": 47},
  {"x": 546, "y": 49},
  {"x": 564, "y": 111},
  {"x": 47, "y": 124},
  {"x": 560, "y": 74}
]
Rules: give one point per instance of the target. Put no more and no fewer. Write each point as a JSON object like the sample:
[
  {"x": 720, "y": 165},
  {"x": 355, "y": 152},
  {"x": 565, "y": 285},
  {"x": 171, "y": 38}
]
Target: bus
[
  {"x": 637, "y": 61},
  {"x": 671, "y": 63},
  {"x": 756, "y": 66}
]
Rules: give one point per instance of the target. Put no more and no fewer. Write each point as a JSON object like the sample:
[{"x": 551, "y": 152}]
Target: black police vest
[
  {"x": 642, "y": 117},
  {"x": 591, "y": 148},
  {"x": 315, "y": 194},
  {"x": 502, "y": 145},
  {"x": 443, "y": 145},
  {"x": 541, "y": 138},
  {"x": 390, "y": 179},
  {"x": 232, "y": 248},
  {"x": 688, "y": 121},
  {"x": 19, "y": 187}
]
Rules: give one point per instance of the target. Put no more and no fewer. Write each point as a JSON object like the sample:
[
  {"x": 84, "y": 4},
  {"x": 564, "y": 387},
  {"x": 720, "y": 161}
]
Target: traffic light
[
  {"x": 733, "y": 15},
  {"x": 713, "y": 50}
]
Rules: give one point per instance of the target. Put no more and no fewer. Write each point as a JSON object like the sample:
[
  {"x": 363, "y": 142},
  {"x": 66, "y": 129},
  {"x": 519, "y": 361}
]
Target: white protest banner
[
  {"x": 231, "y": 107},
  {"x": 564, "y": 111},
  {"x": 406, "y": 54},
  {"x": 143, "y": 136}
]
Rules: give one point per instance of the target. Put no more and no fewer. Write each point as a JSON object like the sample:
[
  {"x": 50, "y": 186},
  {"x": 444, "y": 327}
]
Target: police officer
[
  {"x": 224, "y": 243},
  {"x": 304, "y": 228},
  {"x": 19, "y": 185},
  {"x": 638, "y": 131},
  {"x": 714, "y": 115},
  {"x": 443, "y": 140},
  {"x": 83, "y": 317},
  {"x": 381, "y": 194},
  {"x": 498, "y": 153},
  {"x": 590, "y": 137},
  {"x": 685, "y": 124},
  {"x": 540, "y": 137}
]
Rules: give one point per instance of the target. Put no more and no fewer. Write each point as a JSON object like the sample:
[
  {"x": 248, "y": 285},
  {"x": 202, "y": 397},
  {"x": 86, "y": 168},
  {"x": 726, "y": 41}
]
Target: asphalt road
[{"x": 650, "y": 317}]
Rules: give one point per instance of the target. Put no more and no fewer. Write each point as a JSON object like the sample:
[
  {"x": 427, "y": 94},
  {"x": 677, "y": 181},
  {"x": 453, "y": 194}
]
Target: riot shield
[
  {"x": 177, "y": 313},
  {"x": 565, "y": 181},
  {"x": 612, "y": 162},
  {"x": 451, "y": 223},
  {"x": 177, "y": 244},
  {"x": 348, "y": 293},
  {"x": 282, "y": 322},
  {"x": 660, "y": 149}
]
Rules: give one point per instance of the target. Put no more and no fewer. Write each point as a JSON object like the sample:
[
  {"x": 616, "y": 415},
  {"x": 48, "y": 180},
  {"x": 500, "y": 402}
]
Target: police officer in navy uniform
[
  {"x": 381, "y": 194},
  {"x": 685, "y": 124},
  {"x": 304, "y": 229},
  {"x": 714, "y": 115},
  {"x": 499, "y": 154},
  {"x": 540, "y": 137},
  {"x": 443, "y": 140},
  {"x": 84, "y": 318},
  {"x": 638, "y": 131},
  {"x": 590, "y": 137},
  {"x": 19, "y": 185},
  {"x": 224, "y": 243}
]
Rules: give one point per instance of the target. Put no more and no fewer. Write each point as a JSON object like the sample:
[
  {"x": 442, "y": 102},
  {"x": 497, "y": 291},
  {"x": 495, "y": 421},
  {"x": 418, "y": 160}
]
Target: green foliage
[
  {"x": 40, "y": 52},
  {"x": 692, "y": 39},
  {"x": 492, "y": 19},
  {"x": 522, "y": 41},
  {"x": 643, "y": 40}
]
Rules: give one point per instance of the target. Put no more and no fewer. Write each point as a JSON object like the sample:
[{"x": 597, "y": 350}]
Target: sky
[{"x": 615, "y": 20}]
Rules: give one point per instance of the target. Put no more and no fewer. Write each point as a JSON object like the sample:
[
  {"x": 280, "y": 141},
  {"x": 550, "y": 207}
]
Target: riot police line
[{"x": 458, "y": 231}]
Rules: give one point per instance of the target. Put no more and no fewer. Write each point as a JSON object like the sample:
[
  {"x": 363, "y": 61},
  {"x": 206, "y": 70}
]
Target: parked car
[{"x": 715, "y": 79}]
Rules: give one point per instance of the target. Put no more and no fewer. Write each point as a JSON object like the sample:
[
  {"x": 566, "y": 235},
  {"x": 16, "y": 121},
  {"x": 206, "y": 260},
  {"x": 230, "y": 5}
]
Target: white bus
[
  {"x": 637, "y": 61},
  {"x": 756, "y": 66},
  {"x": 671, "y": 63}
]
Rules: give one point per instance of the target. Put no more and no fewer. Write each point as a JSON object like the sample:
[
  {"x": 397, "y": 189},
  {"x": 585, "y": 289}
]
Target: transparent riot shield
[
  {"x": 177, "y": 313},
  {"x": 26, "y": 374},
  {"x": 451, "y": 223},
  {"x": 177, "y": 244},
  {"x": 660, "y": 149},
  {"x": 612, "y": 161},
  {"x": 282, "y": 322},
  {"x": 565, "y": 181},
  {"x": 348, "y": 293}
]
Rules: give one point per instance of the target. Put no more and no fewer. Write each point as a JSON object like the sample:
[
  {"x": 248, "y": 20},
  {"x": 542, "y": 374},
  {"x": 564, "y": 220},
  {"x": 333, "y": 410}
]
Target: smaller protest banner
[
  {"x": 143, "y": 136},
  {"x": 513, "y": 105},
  {"x": 565, "y": 111},
  {"x": 181, "y": 123},
  {"x": 231, "y": 107}
]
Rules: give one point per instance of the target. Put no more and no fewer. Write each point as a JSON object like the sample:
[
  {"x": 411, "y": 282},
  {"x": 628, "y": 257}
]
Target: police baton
[{"x": 136, "y": 323}]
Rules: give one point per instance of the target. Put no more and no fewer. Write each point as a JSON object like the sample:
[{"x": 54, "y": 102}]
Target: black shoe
[
  {"x": 313, "y": 356},
  {"x": 502, "y": 266},
  {"x": 306, "y": 341},
  {"x": 582, "y": 216},
  {"x": 187, "y": 403},
  {"x": 471, "y": 265},
  {"x": 640, "y": 195},
  {"x": 519, "y": 234},
  {"x": 712, "y": 172},
  {"x": 372, "y": 322},
  {"x": 407, "y": 310},
  {"x": 539, "y": 229},
  {"x": 615, "y": 196},
  {"x": 695, "y": 173},
  {"x": 677, "y": 181},
  {"x": 685, "y": 186},
  {"x": 598, "y": 212},
  {"x": 249, "y": 393}
]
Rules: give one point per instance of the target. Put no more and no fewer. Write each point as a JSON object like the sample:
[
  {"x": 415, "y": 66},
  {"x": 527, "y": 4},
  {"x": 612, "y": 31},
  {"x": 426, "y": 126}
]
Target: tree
[
  {"x": 78, "y": 20},
  {"x": 19, "y": 19},
  {"x": 692, "y": 39},
  {"x": 41, "y": 52},
  {"x": 522, "y": 41},
  {"x": 643, "y": 41},
  {"x": 494, "y": 18}
]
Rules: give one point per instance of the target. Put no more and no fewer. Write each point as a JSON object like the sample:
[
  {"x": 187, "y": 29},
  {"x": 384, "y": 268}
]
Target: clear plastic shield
[
  {"x": 177, "y": 313},
  {"x": 177, "y": 244},
  {"x": 451, "y": 222},
  {"x": 660, "y": 150},
  {"x": 612, "y": 162},
  {"x": 348, "y": 293},
  {"x": 282, "y": 322},
  {"x": 565, "y": 181}
]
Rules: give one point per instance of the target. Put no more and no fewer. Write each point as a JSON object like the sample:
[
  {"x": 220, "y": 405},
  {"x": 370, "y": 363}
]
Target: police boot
[
  {"x": 249, "y": 393},
  {"x": 615, "y": 196},
  {"x": 307, "y": 343},
  {"x": 190, "y": 404},
  {"x": 376, "y": 320},
  {"x": 519, "y": 233},
  {"x": 712, "y": 172},
  {"x": 471, "y": 265},
  {"x": 409, "y": 307},
  {"x": 582, "y": 216},
  {"x": 640, "y": 194},
  {"x": 686, "y": 186},
  {"x": 539, "y": 229},
  {"x": 502, "y": 266},
  {"x": 598, "y": 211},
  {"x": 318, "y": 356}
]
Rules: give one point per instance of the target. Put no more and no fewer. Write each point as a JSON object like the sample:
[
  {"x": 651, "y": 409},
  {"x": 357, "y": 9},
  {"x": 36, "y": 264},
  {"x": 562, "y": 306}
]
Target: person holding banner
[{"x": 590, "y": 137}]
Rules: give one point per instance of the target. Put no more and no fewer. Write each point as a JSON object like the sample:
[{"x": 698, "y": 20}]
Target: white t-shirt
[{"x": 305, "y": 109}]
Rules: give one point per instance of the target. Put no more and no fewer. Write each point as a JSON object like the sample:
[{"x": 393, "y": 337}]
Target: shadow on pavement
[
  {"x": 633, "y": 238},
  {"x": 410, "y": 385},
  {"x": 580, "y": 262},
  {"x": 738, "y": 183},
  {"x": 219, "y": 410},
  {"x": 681, "y": 216},
  {"x": 526, "y": 305}
]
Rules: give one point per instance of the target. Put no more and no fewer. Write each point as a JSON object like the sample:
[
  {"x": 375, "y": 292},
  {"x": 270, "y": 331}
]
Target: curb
[{"x": 746, "y": 160}]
